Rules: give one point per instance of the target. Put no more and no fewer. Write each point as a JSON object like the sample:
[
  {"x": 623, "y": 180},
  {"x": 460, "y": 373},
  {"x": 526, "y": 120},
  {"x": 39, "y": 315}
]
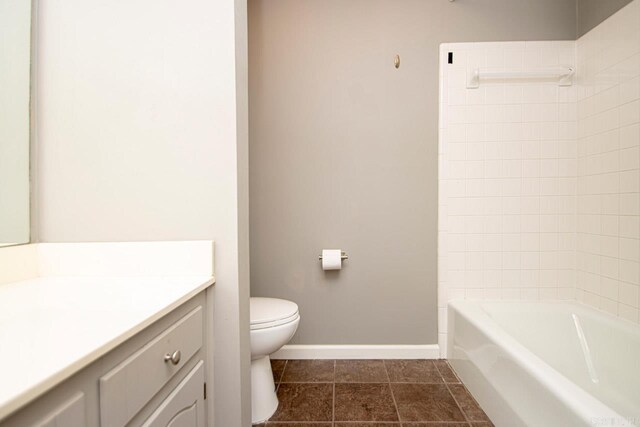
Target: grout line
[
  {"x": 281, "y": 375},
  {"x": 455, "y": 374},
  {"x": 466, "y": 390},
  {"x": 464, "y": 414},
  {"x": 308, "y": 382},
  {"x": 322, "y": 423},
  {"x": 450, "y": 370},
  {"x": 418, "y": 382},
  {"x": 395, "y": 404},
  {"x": 333, "y": 404}
]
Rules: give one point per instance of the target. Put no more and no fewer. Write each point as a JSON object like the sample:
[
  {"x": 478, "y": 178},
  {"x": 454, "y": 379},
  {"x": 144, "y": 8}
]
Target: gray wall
[
  {"x": 343, "y": 153},
  {"x": 593, "y": 12}
]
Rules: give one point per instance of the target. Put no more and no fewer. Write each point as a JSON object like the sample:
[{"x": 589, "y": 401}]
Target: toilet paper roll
[{"x": 331, "y": 259}]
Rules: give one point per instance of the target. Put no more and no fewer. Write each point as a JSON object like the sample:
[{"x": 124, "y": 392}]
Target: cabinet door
[
  {"x": 184, "y": 407},
  {"x": 69, "y": 414},
  {"x": 186, "y": 418}
]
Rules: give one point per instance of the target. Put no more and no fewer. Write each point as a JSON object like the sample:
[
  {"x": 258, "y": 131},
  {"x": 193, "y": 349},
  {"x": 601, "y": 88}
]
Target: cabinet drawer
[
  {"x": 185, "y": 405},
  {"x": 130, "y": 385}
]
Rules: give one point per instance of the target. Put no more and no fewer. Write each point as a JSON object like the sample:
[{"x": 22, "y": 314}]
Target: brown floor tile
[
  {"x": 360, "y": 371},
  {"x": 445, "y": 370},
  {"x": 277, "y": 366},
  {"x": 413, "y": 371},
  {"x": 435, "y": 425},
  {"x": 364, "y": 402},
  {"x": 299, "y": 425},
  {"x": 365, "y": 424},
  {"x": 363, "y": 398},
  {"x": 304, "y": 402},
  {"x": 426, "y": 402},
  {"x": 308, "y": 371},
  {"x": 468, "y": 404}
]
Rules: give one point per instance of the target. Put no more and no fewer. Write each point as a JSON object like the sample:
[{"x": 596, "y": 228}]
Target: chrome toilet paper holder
[{"x": 343, "y": 257}]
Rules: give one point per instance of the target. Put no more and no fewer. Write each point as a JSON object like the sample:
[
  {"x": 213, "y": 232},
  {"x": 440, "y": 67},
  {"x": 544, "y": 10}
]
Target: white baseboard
[{"x": 294, "y": 351}]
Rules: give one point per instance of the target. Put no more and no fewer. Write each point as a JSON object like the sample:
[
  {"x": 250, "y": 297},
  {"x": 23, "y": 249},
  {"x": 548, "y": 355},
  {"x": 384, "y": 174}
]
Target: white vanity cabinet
[{"x": 156, "y": 378}]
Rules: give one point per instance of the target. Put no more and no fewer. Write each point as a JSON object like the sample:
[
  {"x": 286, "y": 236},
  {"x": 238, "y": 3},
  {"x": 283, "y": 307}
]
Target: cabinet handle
[{"x": 173, "y": 357}]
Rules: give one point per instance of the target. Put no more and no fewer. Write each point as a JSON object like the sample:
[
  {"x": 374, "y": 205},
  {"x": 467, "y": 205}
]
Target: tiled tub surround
[
  {"x": 372, "y": 393},
  {"x": 508, "y": 169},
  {"x": 539, "y": 184},
  {"x": 608, "y": 269}
]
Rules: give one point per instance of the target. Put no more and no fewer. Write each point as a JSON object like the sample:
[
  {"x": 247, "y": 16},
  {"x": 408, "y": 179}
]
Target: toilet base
[{"x": 264, "y": 400}]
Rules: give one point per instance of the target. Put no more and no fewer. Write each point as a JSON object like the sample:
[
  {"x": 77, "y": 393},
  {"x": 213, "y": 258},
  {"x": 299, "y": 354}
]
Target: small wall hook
[{"x": 396, "y": 61}]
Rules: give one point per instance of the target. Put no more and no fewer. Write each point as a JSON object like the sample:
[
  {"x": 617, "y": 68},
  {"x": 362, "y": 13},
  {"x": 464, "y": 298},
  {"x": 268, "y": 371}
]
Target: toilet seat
[{"x": 271, "y": 312}]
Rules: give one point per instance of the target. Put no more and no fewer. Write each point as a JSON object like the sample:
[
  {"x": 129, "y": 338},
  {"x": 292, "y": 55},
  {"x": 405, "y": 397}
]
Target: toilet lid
[{"x": 269, "y": 312}]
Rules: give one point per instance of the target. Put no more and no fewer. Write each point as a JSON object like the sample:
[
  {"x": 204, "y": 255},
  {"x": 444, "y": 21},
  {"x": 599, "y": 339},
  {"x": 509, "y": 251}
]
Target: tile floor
[{"x": 372, "y": 393}]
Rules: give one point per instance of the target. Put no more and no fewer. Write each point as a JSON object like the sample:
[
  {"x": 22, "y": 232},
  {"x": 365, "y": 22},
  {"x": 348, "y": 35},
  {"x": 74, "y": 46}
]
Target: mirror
[{"x": 15, "y": 77}]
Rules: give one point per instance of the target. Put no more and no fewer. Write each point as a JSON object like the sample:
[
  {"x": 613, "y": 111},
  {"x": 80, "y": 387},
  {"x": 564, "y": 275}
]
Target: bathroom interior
[{"x": 320, "y": 213}]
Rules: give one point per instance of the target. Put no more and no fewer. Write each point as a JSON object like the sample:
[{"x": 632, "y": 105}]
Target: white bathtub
[{"x": 547, "y": 364}]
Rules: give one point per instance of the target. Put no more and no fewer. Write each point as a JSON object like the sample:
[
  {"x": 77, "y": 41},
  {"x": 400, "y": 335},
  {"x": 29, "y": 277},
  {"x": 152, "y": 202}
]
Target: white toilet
[{"x": 273, "y": 323}]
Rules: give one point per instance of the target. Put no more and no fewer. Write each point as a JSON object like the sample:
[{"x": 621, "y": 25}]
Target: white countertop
[{"x": 51, "y": 327}]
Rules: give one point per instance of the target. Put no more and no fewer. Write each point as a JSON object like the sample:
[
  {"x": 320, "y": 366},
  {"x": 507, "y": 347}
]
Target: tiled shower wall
[
  {"x": 508, "y": 177},
  {"x": 538, "y": 183},
  {"x": 608, "y": 164}
]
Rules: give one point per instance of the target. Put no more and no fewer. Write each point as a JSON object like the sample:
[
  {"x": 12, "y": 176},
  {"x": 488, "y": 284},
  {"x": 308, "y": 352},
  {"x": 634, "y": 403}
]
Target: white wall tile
[
  {"x": 510, "y": 195},
  {"x": 545, "y": 204}
]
